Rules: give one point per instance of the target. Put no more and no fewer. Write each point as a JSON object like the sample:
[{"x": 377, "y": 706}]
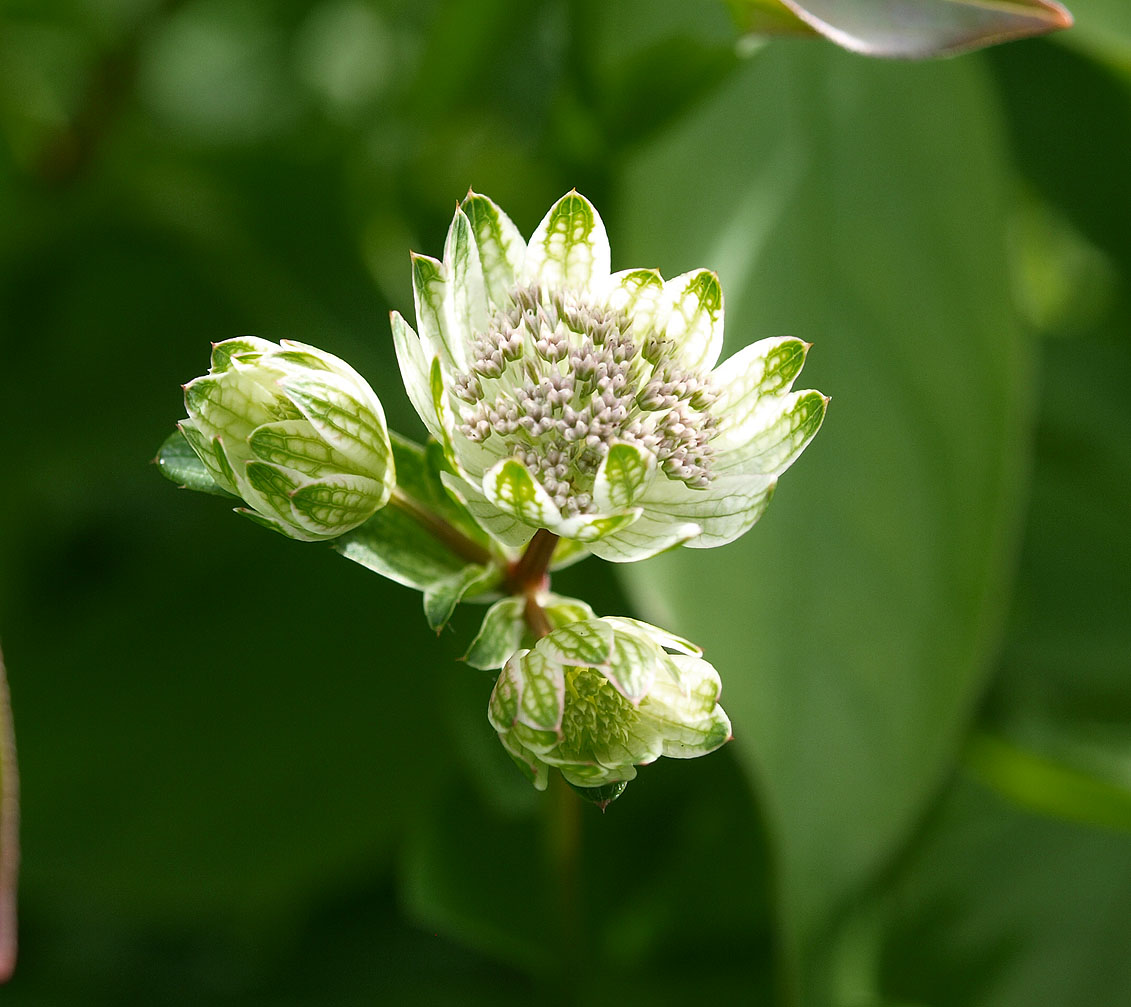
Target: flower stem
[
  {"x": 529, "y": 572},
  {"x": 535, "y": 616},
  {"x": 9, "y": 832},
  {"x": 528, "y": 577},
  {"x": 438, "y": 528}
]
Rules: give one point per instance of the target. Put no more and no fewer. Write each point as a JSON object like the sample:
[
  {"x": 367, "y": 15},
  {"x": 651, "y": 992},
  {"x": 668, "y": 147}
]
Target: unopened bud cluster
[
  {"x": 598, "y": 697},
  {"x": 293, "y": 430}
]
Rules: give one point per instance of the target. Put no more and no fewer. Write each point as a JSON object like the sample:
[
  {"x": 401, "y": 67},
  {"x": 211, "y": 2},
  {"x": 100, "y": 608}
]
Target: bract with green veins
[
  {"x": 588, "y": 403},
  {"x": 599, "y": 697},
  {"x": 293, "y": 430}
]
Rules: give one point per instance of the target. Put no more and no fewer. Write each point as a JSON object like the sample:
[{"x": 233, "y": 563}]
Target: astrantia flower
[
  {"x": 586, "y": 403},
  {"x": 294, "y": 431},
  {"x": 599, "y": 697}
]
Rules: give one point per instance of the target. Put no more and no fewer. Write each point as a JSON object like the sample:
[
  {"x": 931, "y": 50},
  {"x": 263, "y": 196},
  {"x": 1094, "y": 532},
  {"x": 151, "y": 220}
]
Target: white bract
[
  {"x": 599, "y": 697},
  {"x": 587, "y": 402},
  {"x": 293, "y": 430}
]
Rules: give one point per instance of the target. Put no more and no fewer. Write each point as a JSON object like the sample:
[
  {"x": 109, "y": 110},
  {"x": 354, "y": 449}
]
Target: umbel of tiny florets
[
  {"x": 587, "y": 402},
  {"x": 599, "y": 697},
  {"x": 293, "y": 430},
  {"x": 586, "y": 385}
]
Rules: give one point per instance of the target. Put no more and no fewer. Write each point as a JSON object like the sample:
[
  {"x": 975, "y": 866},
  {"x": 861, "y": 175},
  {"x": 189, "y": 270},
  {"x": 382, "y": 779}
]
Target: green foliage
[
  {"x": 890, "y": 612},
  {"x": 923, "y": 645}
]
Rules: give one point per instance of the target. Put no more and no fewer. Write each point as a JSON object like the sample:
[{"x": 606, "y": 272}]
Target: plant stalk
[{"x": 439, "y": 529}]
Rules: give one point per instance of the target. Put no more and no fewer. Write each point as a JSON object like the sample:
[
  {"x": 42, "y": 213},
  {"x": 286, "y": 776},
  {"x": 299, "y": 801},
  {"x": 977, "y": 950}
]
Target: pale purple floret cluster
[{"x": 558, "y": 381}]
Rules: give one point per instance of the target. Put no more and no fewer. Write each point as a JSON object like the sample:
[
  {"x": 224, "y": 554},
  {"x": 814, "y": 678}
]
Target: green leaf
[
  {"x": 441, "y": 598},
  {"x": 177, "y": 462},
  {"x": 853, "y": 628},
  {"x": 1050, "y": 787},
  {"x": 998, "y": 907},
  {"x": 768, "y": 17},
  {"x": 9, "y": 831},
  {"x": 418, "y": 475},
  {"x": 1062, "y": 694},
  {"x": 911, "y": 29},
  {"x": 1105, "y": 28}
]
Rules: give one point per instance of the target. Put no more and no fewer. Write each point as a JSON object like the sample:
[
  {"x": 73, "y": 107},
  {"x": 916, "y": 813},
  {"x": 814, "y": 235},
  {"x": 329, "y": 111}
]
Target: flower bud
[
  {"x": 296, "y": 432},
  {"x": 599, "y": 697}
]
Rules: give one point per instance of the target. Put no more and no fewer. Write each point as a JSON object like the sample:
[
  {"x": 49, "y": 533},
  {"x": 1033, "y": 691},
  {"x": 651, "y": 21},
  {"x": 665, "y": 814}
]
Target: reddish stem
[
  {"x": 529, "y": 572},
  {"x": 528, "y": 576}
]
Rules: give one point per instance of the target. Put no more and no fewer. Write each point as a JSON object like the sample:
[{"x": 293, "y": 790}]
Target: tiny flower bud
[
  {"x": 294, "y": 431},
  {"x": 598, "y": 697}
]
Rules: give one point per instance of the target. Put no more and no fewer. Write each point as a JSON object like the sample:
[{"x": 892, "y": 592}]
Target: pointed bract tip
[
  {"x": 601, "y": 796},
  {"x": 1061, "y": 16}
]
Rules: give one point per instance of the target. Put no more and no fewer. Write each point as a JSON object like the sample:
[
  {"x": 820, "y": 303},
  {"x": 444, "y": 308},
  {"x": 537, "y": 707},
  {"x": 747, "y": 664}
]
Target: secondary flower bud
[
  {"x": 293, "y": 430},
  {"x": 599, "y": 697}
]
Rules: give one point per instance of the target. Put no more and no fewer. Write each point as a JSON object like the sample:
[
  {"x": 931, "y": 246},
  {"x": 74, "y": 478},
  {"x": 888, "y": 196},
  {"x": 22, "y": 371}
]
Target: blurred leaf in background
[{"x": 924, "y": 646}]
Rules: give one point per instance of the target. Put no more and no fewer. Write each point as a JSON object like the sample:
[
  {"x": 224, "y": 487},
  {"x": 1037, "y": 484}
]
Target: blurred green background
[{"x": 251, "y": 774}]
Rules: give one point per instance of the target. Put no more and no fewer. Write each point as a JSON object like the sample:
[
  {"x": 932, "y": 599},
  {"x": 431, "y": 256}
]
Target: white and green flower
[
  {"x": 293, "y": 430},
  {"x": 587, "y": 402},
  {"x": 598, "y": 697}
]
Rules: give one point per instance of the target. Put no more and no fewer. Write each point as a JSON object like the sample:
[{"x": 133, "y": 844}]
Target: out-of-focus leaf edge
[
  {"x": 1046, "y": 786},
  {"x": 1015, "y": 20}
]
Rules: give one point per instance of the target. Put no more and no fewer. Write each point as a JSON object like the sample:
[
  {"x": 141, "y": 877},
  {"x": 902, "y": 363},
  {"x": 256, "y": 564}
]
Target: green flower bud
[
  {"x": 296, "y": 432},
  {"x": 599, "y": 697}
]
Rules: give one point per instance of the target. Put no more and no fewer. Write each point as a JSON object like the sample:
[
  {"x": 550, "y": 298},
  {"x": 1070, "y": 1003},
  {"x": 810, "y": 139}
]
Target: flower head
[
  {"x": 599, "y": 697},
  {"x": 294, "y": 431},
  {"x": 587, "y": 402}
]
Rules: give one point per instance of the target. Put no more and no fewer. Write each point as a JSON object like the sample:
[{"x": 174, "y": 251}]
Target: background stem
[{"x": 9, "y": 832}]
